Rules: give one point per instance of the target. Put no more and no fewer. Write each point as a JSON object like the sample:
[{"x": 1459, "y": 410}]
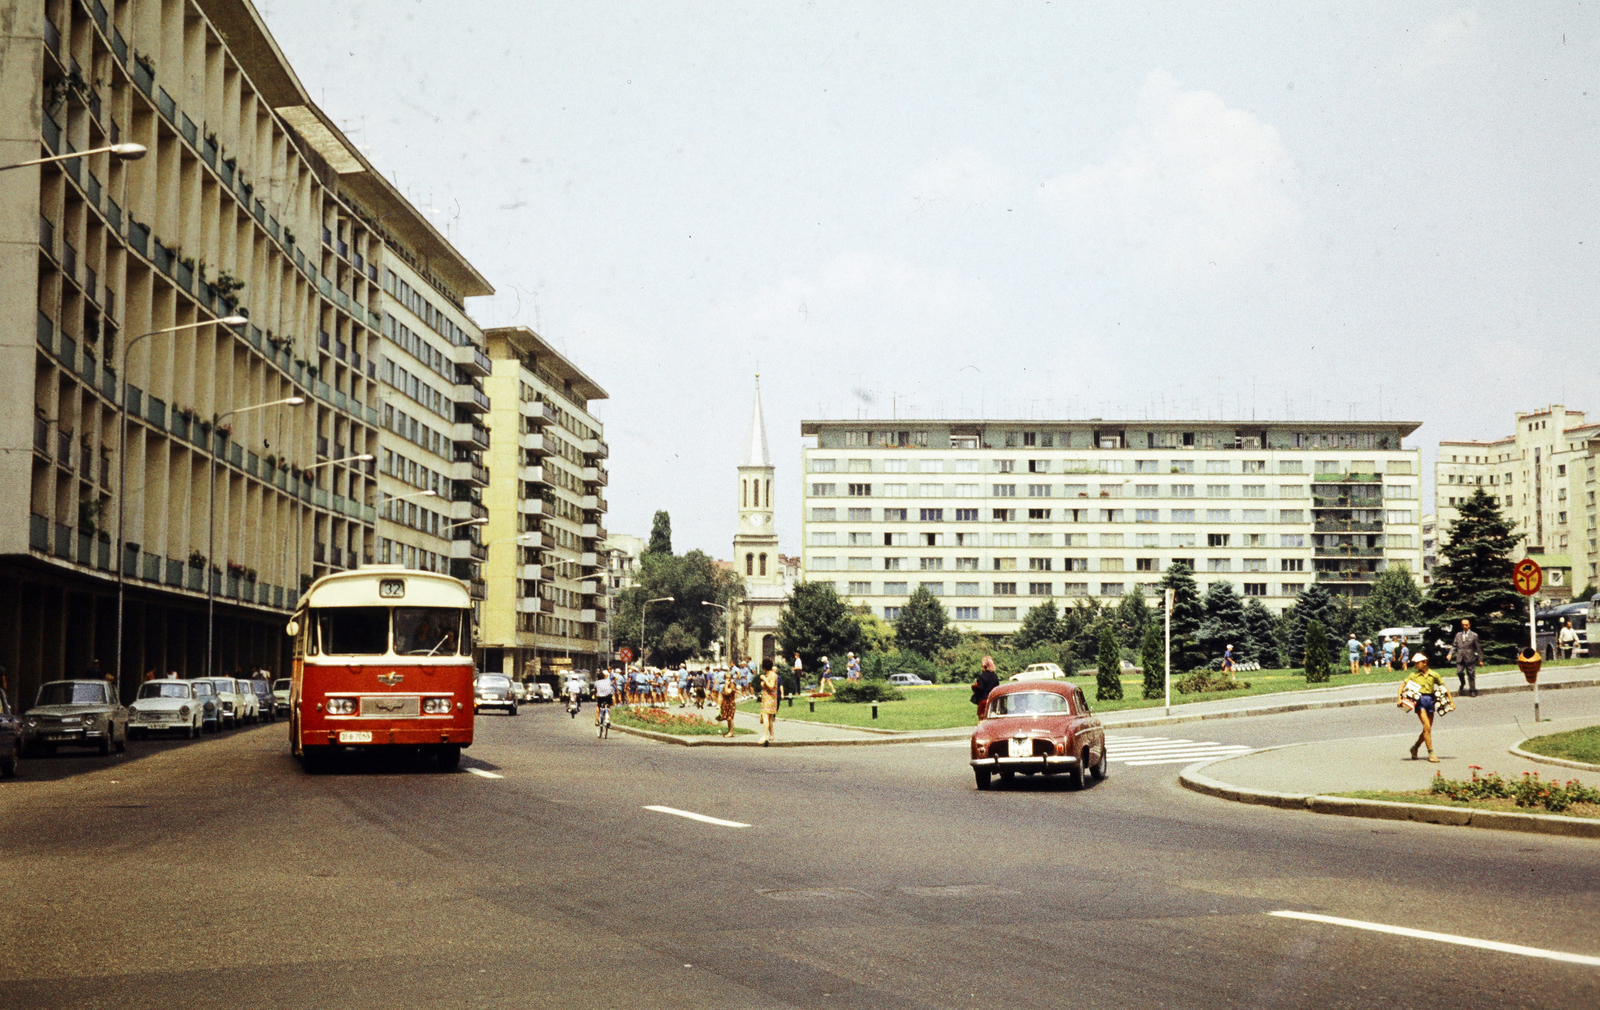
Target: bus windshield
[
  {"x": 428, "y": 631},
  {"x": 352, "y": 631}
]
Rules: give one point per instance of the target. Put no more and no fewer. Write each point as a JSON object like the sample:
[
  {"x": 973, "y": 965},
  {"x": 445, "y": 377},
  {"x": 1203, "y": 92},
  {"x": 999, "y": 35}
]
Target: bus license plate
[{"x": 355, "y": 736}]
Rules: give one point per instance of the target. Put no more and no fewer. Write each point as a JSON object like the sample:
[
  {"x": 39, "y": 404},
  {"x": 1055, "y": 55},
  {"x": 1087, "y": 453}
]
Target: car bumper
[
  {"x": 65, "y": 737},
  {"x": 162, "y": 727},
  {"x": 1033, "y": 763}
]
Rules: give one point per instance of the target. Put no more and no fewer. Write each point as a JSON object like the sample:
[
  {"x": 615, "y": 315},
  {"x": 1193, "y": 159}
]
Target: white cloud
[
  {"x": 964, "y": 177},
  {"x": 1193, "y": 186}
]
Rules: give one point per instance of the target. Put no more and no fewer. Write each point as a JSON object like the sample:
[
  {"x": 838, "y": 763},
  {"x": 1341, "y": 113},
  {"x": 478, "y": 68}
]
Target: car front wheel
[
  {"x": 1102, "y": 769},
  {"x": 982, "y": 775}
]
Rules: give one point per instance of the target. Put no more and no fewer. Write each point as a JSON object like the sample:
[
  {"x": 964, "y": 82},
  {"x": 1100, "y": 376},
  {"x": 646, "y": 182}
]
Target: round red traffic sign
[
  {"x": 626, "y": 654},
  {"x": 1527, "y": 576}
]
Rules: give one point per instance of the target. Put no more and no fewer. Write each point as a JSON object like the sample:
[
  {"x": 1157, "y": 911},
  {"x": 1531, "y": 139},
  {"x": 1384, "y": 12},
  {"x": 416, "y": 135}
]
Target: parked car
[
  {"x": 10, "y": 739},
  {"x": 493, "y": 690},
  {"x": 1038, "y": 727},
  {"x": 280, "y": 697},
  {"x": 75, "y": 713},
  {"x": 519, "y": 691},
  {"x": 541, "y": 692},
  {"x": 266, "y": 705},
  {"x": 234, "y": 704},
  {"x": 1040, "y": 671},
  {"x": 166, "y": 706},
  {"x": 907, "y": 680},
  {"x": 205, "y": 694}
]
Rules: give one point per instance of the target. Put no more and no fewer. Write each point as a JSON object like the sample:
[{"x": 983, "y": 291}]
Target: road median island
[{"x": 1578, "y": 749}]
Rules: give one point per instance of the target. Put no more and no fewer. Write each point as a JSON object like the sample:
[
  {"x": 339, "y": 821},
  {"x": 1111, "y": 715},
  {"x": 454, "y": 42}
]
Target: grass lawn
[
  {"x": 1575, "y": 745},
  {"x": 947, "y": 705},
  {"x": 1502, "y": 804},
  {"x": 661, "y": 721}
]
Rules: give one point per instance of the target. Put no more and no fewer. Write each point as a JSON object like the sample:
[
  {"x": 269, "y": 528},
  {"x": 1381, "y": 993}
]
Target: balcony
[
  {"x": 596, "y": 475},
  {"x": 473, "y": 473},
  {"x": 540, "y": 413},
  {"x": 540, "y": 445},
  {"x": 1346, "y": 526},
  {"x": 530, "y": 605},
  {"x": 531, "y": 507},
  {"x": 471, "y": 397},
  {"x": 589, "y": 531},
  {"x": 533, "y": 475},
  {"x": 594, "y": 448},
  {"x": 1347, "y": 478},
  {"x": 532, "y": 538},
  {"x": 471, "y": 359},
  {"x": 586, "y": 617},
  {"x": 532, "y": 573},
  {"x": 469, "y": 549},
  {"x": 1347, "y": 576},
  {"x": 463, "y": 510},
  {"x": 472, "y": 436},
  {"x": 589, "y": 559}
]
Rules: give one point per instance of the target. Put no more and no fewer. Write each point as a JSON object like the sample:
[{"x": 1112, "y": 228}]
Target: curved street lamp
[{"x": 122, "y": 152}]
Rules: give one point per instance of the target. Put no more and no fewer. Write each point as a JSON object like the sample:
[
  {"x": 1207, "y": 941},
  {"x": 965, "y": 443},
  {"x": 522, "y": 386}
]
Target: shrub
[
  {"x": 1207, "y": 682},
  {"x": 1318, "y": 667},
  {"x": 856, "y": 691},
  {"x": 1108, "y": 678}
]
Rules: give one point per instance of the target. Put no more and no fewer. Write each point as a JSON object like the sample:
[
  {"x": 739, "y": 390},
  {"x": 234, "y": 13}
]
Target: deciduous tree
[{"x": 923, "y": 627}]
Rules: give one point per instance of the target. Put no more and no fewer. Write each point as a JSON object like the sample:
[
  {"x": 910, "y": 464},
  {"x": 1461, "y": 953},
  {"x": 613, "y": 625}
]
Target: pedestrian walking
[
  {"x": 1388, "y": 652},
  {"x": 987, "y": 681},
  {"x": 1353, "y": 647},
  {"x": 1368, "y": 655},
  {"x": 825, "y": 681},
  {"x": 1468, "y": 653},
  {"x": 1227, "y": 659},
  {"x": 852, "y": 667},
  {"x": 1424, "y": 693},
  {"x": 729, "y": 700},
  {"x": 771, "y": 694},
  {"x": 1568, "y": 639},
  {"x": 799, "y": 669}
]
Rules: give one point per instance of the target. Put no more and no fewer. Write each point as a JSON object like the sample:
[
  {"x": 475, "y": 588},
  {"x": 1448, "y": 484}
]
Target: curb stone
[
  {"x": 1193, "y": 779},
  {"x": 1516, "y": 749}
]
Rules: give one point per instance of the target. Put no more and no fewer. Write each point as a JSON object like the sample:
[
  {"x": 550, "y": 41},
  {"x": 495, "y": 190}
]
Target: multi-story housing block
[
  {"x": 547, "y": 602},
  {"x": 997, "y": 515},
  {"x": 1543, "y": 478},
  {"x": 248, "y": 202}
]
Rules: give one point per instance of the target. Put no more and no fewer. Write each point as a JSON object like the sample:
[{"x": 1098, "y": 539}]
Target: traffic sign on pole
[
  {"x": 1527, "y": 576},
  {"x": 626, "y": 654}
]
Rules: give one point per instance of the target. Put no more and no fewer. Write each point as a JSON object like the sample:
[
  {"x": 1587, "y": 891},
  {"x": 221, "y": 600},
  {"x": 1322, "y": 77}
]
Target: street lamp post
[
  {"x": 122, "y": 458},
  {"x": 642, "y": 608},
  {"x": 726, "y": 616},
  {"x": 299, "y": 550},
  {"x": 122, "y": 152},
  {"x": 211, "y": 521}
]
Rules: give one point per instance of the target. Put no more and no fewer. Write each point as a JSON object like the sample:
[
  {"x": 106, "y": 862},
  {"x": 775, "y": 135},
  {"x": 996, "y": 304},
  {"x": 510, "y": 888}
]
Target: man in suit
[{"x": 1469, "y": 654}]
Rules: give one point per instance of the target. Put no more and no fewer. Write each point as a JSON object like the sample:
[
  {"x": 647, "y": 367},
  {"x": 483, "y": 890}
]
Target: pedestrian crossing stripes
[{"x": 1141, "y": 751}]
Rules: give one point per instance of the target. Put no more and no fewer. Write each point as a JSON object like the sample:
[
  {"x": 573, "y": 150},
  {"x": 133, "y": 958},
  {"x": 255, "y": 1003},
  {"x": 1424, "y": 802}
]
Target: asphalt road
[{"x": 217, "y": 874}]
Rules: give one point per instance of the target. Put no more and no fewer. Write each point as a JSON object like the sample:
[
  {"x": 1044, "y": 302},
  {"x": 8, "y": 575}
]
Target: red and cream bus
[{"x": 382, "y": 659}]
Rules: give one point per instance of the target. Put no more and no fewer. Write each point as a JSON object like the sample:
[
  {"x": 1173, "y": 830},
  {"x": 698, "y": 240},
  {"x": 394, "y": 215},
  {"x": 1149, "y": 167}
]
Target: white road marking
[
  {"x": 674, "y": 811},
  {"x": 1465, "y": 941},
  {"x": 1144, "y": 751},
  {"x": 483, "y": 774}
]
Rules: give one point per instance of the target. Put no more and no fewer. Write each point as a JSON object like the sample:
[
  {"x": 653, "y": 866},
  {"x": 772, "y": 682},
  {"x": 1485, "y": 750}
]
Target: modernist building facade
[
  {"x": 249, "y": 201},
  {"x": 995, "y": 516},
  {"x": 547, "y": 608},
  {"x": 1543, "y": 477}
]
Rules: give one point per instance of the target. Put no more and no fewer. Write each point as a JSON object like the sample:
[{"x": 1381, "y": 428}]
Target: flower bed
[
  {"x": 1529, "y": 792},
  {"x": 661, "y": 721}
]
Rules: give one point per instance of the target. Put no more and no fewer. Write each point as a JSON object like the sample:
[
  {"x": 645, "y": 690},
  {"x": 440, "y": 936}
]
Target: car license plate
[
  {"x": 57, "y": 737},
  {"x": 355, "y": 736}
]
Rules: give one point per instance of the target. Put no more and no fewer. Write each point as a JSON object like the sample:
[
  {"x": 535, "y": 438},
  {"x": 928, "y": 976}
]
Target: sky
[{"x": 1003, "y": 210}]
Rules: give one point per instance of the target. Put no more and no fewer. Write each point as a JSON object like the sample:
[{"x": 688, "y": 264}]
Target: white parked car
[
  {"x": 236, "y": 705},
  {"x": 1040, "y": 671},
  {"x": 280, "y": 696},
  {"x": 907, "y": 680},
  {"x": 493, "y": 690},
  {"x": 166, "y": 706}
]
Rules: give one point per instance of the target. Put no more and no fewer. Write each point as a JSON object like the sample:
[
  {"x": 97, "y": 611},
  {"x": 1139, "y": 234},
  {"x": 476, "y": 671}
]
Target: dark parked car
[
  {"x": 10, "y": 739},
  {"x": 1038, "y": 727},
  {"x": 76, "y": 713}
]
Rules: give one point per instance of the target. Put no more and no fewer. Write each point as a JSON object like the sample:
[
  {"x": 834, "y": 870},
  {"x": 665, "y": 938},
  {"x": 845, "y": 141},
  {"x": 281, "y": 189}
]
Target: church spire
[{"x": 755, "y": 451}]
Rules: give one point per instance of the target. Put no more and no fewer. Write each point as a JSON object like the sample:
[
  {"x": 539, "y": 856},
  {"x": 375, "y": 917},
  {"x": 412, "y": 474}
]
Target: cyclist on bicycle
[{"x": 602, "y": 696}]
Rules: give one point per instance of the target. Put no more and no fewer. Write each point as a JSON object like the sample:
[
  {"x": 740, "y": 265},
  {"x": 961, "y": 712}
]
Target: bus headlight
[
  {"x": 341, "y": 706},
  {"x": 436, "y": 706}
]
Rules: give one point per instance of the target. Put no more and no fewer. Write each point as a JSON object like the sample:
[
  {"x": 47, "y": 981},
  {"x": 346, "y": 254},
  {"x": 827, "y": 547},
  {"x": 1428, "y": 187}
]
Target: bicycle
[{"x": 603, "y": 721}]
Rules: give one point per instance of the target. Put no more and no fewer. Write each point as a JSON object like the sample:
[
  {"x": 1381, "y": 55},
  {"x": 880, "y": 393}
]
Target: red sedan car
[{"x": 1038, "y": 727}]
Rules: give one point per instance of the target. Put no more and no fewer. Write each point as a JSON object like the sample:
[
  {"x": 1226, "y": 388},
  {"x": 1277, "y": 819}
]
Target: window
[
  {"x": 1183, "y": 490},
  {"x": 1219, "y": 490},
  {"x": 860, "y": 539},
  {"x": 1217, "y": 539},
  {"x": 1182, "y": 466},
  {"x": 1255, "y": 564},
  {"x": 1038, "y": 466},
  {"x": 1219, "y": 515},
  {"x": 966, "y": 613},
  {"x": 1147, "y": 490},
  {"x": 824, "y": 490},
  {"x": 1255, "y": 540},
  {"x": 1004, "y": 515},
  {"x": 895, "y": 539},
  {"x": 1005, "y": 589},
  {"x": 1255, "y": 490},
  {"x": 1290, "y": 466},
  {"x": 859, "y": 490},
  {"x": 930, "y": 490},
  {"x": 1075, "y": 589},
  {"x": 1005, "y": 466},
  {"x": 1111, "y": 564},
  {"x": 1075, "y": 564},
  {"x": 967, "y": 588},
  {"x": 1002, "y": 540},
  {"x": 894, "y": 466},
  {"x": 1005, "y": 613},
  {"x": 1255, "y": 589},
  {"x": 930, "y": 564},
  {"x": 1405, "y": 518},
  {"x": 1291, "y": 515},
  {"x": 1038, "y": 490},
  {"x": 1186, "y": 562},
  {"x": 1111, "y": 515},
  {"x": 1111, "y": 588},
  {"x": 933, "y": 588},
  {"x": 1075, "y": 539},
  {"x": 966, "y": 564},
  {"x": 1329, "y": 466},
  {"x": 930, "y": 466},
  {"x": 1291, "y": 588},
  {"x": 966, "y": 515},
  {"x": 1005, "y": 564},
  {"x": 1041, "y": 589},
  {"x": 822, "y": 539},
  {"x": 1146, "y": 539},
  {"x": 1038, "y": 515},
  {"x": 892, "y": 490},
  {"x": 932, "y": 515},
  {"x": 894, "y": 515},
  {"x": 1291, "y": 490},
  {"x": 1253, "y": 515},
  {"x": 1292, "y": 564},
  {"x": 1144, "y": 564},
  {"x": 1004, "y": 491},
  {"x": 821, "y": 564},
  {"x": 1410, "y": 491},
  {"x": 860, "y": 465},
  {"x": 1039, "y": 565},
  {"x": 1217, "y": 466},
  {"x": 824, "y": 515},
  {"x": 1255, "y": 466},
  {"x": 1218, "y": 565},
  {"x": 1146, "y": 515},
  {"x": 1183, "y": 539},
  {"x": 966, "y": 466},
  {"x": 894, "y": 589},
  {"x": 1147, "y": 466},
  {"x": 1111, "y": 540},
  {"x": 891, "y": 613},
  {"x": 860, "y": 564},
  {"x": 1183, "y": 515},
  {"x": 893, "y": 564},
  {"x": 964, "y": 490},
  {"x": 860, "y": 589},
  {"x": 1400, "y": 540},
  {"x": 860, "y": 515},
  {"x": 1039, "y": 540},
  {"x": 823, "y": 465}
]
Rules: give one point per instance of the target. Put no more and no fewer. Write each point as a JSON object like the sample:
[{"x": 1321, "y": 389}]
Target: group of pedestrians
[{"x": 727, "y": 686}]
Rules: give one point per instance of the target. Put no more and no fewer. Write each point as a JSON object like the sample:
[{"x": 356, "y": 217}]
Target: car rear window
[{"x": 1028, "y": 703}]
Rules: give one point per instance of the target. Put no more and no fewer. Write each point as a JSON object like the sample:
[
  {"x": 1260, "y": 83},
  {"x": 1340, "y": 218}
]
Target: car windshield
[
  {"x": 495, "y": 681},
  {"x": 352, "y": 631},
  {"x": 225, "y": 686},
  {"x": 428, "y": 631},
  {"x": 1028, "y": 703},
  {"x": 64, "y": 692},
  {"x": 280, "y": 685},
  {"x": 164, "y": 689},
  {"x": 203, "y": 689}
]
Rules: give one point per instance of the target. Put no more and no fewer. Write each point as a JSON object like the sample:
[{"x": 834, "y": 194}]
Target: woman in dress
[
  {"x": 771, "y": 694},
  {"x": 1422, "y": 692},
  {"x": 728, "y": 697}
]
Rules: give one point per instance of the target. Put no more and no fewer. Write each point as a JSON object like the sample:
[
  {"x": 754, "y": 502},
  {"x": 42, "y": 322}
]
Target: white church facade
[{"x": 755, "y": 546}]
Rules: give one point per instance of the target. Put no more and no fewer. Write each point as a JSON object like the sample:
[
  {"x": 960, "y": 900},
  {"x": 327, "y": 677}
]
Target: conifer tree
[
  {"x": 1224, "y": 623},
  {"x": 1187, "y": 615},
  {"x": 1261, "y": 631},
  {"x": 1153, "y": 659},
  {"x": 1473, "y": 579},
  {"x": 1108, "y": 678},
  {"x": 1318, "y": 665}
]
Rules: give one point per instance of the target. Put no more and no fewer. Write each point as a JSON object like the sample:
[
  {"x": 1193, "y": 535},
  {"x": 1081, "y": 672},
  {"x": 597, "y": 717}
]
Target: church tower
[{"x": 755, "y": 544}]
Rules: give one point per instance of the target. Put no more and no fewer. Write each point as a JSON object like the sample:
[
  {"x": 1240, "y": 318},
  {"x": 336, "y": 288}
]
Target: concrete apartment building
[
  {"x": 547, "y": 609},
  {"x": 1543, "y": 477},
  {"x": 249, "y": 201},
  {"x": 995, "y": 516}
]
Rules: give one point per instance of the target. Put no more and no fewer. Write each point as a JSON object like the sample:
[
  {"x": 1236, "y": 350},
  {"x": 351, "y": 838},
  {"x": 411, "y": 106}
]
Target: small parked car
[
  {"x": 541, "y": 692},
  {"x": 76, "y": 713},
  {"x": 166, "y": 706},
  {"x": 493, "y": 690},
  {"x": 1038, "y": 727},
  {"x": 205, "y": 695},
  {"x": 266, "y": 705},
  {"x": 280, "y": 696},
  {"x": 10, "y": 738},
  {"x": 519, "y": 691},
  {"x": 907, "y": 680},
  {"x": 1040, "y": 671},
  {"x": 233, "y": 702}
]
